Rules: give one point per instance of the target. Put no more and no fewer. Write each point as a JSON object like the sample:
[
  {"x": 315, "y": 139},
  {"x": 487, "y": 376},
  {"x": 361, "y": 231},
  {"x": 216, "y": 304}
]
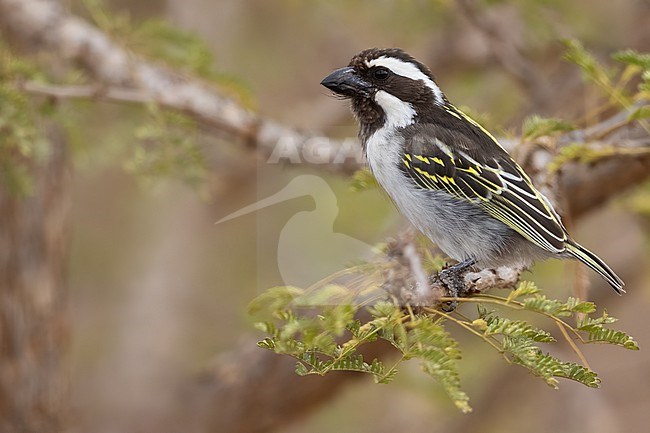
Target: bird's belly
[{"x": 461, "y": 229}]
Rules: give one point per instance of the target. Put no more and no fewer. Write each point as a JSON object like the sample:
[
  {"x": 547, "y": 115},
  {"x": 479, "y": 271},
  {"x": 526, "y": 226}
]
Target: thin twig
[
  {"x": 573, "y": 345},
  {"x": 422, "y": 288},
  {"x": 469, "y": 328},
  {"x": 507, "y": 53},
  {"x": 516, "y": 305}
]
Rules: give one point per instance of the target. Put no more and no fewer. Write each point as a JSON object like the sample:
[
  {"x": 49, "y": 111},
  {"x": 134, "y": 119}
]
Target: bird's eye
[{"x": 380, "y": 73}]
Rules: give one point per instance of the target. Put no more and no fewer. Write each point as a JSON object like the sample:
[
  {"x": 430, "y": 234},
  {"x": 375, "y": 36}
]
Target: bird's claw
[{"x": 452, "y": 277}]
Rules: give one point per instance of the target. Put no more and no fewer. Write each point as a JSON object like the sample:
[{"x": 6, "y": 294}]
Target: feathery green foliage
[
  {"x": 614, "y": 83},
  {"x": 326, "y": 335},
  {"x": 167, "y": 146},
  {"x": 589, "y": 154},
  {"x": 592, "y": 69},
  {"x": 21, "y": 141},
  {"x": 536, "y": 126},
  {"x": 158, "y": 40},
  {"x": 167, "y": 142}
]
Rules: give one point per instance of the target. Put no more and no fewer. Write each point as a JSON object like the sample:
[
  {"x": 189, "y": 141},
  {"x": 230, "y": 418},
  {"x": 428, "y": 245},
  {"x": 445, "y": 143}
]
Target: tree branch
[
  {"x": 504, "y": 49},
  {"x": 128, "y": 77},
  {"x": 125, "y": 77}
]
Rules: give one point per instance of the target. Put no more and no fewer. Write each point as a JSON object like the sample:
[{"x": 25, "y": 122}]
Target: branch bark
[{"x": 49, "y": 26}]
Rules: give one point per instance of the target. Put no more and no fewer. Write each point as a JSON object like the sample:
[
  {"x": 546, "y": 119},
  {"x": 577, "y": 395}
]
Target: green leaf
[
  {"x": 301, "y": 369},
  {"x": 337, "y": 318},
  {"x": 605, "y": 319},
  {"x": 524, "y": 350},
  {"x": 577, "y": 306},
  {"x": 443, "y": 369},
  {"x": 524, "y": 288},
  {"x": 386, "y": 376},
  {"x": 632, "y": 57},
  {"x": 552, "y": 307},
  {"x": 167, "y": 146},
  {"x": 596, "y": 73},
  {"x": 22, "y": 143},
  {"x": 267, "y": 343},
  {"x": 482, "y": 311},
  {"x": 536, "y": 126},
  {"x": 438, "y": 354},
  {"x": 315, "y": 335},
  {"x": 266, "y": 327},
  {"x": 598, "y": 334},
  {"x": 591, "y": 68},
  {"x": 160, "y": 40},
  {"x": 548, "y": 367},
  {"x": 515, "y": 328},
  {"x": 582, "y": 152}
]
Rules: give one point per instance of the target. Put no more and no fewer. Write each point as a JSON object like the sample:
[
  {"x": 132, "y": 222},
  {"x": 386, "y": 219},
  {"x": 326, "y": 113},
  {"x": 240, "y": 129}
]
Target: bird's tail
[{"x": 594, "y": 262}]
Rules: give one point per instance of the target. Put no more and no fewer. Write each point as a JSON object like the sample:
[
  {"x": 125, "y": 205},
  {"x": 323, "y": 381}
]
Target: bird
[{"x": 447, "y": 174}]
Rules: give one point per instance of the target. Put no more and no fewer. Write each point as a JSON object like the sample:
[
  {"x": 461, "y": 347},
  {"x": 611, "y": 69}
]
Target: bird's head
[{"x": 386, "y": 87}]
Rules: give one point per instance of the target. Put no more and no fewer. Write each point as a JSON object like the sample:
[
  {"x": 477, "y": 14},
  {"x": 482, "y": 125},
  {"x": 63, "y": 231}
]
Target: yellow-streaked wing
[{"x": 495, "y": 182}]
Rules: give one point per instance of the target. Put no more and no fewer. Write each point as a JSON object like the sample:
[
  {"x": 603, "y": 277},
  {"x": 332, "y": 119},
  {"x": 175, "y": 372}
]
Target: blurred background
[{"x": 158, "y": 291}]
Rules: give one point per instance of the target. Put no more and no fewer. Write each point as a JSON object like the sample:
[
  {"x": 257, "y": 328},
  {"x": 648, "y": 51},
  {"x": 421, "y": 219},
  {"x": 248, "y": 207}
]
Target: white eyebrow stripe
[{"x": 408, "y": 70}]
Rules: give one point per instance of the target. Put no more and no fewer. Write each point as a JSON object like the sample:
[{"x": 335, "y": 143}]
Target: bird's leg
[{"x": 453, "y": 278}]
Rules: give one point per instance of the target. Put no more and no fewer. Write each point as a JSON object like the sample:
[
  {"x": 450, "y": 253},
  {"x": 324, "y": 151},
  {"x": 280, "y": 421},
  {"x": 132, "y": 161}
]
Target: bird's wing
[{"x": 453, "y": 161}]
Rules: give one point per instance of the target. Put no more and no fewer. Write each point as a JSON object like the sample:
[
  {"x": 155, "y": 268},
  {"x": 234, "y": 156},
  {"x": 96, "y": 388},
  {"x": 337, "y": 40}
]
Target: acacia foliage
[{"x": 325, "y": 329}]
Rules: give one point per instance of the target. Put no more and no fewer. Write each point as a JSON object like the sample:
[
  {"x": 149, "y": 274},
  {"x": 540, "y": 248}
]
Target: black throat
[{"x": 370, "y": 117}]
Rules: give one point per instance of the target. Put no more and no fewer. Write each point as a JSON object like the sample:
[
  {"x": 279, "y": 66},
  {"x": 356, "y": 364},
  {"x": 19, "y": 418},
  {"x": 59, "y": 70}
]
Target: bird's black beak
[{"x": 346, "y": 82}]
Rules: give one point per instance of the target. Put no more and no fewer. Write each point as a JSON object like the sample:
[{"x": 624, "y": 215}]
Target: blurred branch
[
  {"x": 33, "y": 322},
  {"x": 125, "y": 77},
  {"x": 48, "y": 26},
  {"x": 85, "y": 91},
  {"x": 504, "y": 49}
]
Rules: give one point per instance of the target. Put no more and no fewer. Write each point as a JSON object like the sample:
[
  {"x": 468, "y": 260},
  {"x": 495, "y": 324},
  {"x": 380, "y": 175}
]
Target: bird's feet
[{"x": 452, "y": 278}]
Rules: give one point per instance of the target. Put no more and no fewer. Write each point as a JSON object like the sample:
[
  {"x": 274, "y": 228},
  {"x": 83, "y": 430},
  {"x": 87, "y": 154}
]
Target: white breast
[
  {"x": 384, "y": 152},
  {"x": 460, "y": 229}
]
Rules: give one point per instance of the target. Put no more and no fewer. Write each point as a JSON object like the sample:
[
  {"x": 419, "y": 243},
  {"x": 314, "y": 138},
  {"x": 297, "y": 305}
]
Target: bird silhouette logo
[{"x": 309, "y": 249}]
